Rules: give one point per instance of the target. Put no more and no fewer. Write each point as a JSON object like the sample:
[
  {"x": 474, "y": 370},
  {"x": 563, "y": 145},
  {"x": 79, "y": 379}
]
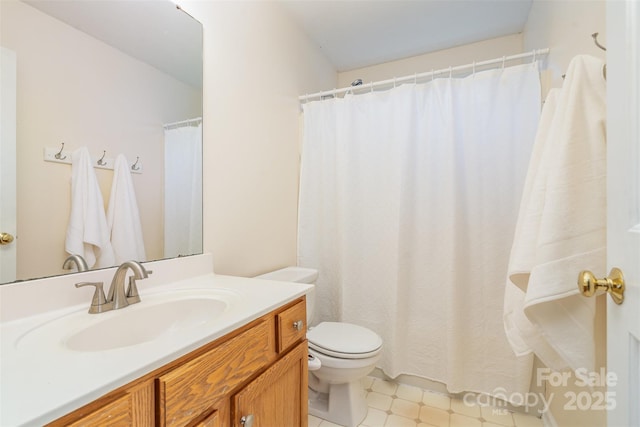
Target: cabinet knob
[
  {"x": 298, "y": 325},
  {"x": 247, "y": 420}
]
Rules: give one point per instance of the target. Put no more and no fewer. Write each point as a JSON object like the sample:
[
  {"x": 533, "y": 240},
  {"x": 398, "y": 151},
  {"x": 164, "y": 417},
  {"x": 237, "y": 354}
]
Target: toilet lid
[{"x": 336, "y": 338}]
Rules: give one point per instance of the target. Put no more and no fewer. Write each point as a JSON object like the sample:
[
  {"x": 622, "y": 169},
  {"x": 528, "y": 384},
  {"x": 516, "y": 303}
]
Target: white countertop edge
[{"x": 50, "y": 411}]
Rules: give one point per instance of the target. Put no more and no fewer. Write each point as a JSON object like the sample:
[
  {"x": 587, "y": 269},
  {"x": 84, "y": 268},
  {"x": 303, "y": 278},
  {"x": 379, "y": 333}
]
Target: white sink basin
[
  {"x": 156, "y": 317},
  {"x": 148, "y": 323}
]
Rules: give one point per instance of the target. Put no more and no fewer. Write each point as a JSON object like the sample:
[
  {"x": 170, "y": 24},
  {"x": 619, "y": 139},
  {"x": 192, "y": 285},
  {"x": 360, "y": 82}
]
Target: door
[
  {"x": 278, "y": 397},
  {"x": 7, "y": 165},
  {"x": 623, "y": 211}
]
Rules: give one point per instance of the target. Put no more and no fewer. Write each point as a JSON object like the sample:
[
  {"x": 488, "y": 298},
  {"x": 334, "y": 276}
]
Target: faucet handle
[
  {"x": 132, "y": 291},
  {"x": 99, "y": 301}
]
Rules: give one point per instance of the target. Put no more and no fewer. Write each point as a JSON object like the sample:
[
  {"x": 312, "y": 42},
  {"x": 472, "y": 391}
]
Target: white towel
[
  {"x": 87, "y": 232},
  {"x": 561, "y": 225},
  {"x": 123, "y": 216}
]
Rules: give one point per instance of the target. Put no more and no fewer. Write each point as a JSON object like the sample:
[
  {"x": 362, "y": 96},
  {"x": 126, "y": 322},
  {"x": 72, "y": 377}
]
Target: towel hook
[
  {"x": 135, "y": 167},
  {"x": 595, "y": 40},
  {"x": 59, "y": 155},
  {"x": 101, "y": 161}
]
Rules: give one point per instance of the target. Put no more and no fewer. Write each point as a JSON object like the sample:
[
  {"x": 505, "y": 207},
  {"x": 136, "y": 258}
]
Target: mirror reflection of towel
[
  {"x": 87, "y": 231},
  {"x": 123, "y": 217}
]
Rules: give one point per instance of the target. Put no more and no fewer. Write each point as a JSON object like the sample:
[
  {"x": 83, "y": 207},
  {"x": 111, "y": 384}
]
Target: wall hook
[
  {"x": 59, "y": 155},
  {"x": 101, "y": 161},
  {"x": 135, "y": 167},
  {"x": 595, "y": 40}
]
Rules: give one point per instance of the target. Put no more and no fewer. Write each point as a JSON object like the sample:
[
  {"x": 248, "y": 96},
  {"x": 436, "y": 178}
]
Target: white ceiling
[
  {"x": 355, "y": 34},
  {"x": 352, "y": 33}
]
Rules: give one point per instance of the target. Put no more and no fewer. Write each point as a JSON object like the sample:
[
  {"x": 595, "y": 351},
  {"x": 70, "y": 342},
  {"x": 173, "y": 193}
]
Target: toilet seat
[{"x": 344, "y": 340}]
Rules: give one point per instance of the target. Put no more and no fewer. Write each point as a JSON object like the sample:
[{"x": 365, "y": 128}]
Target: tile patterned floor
[{"x": 398, "y": 405}]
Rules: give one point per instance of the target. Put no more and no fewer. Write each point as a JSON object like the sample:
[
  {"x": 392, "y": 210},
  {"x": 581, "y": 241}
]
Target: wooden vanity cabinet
[
  {"x": 135, "y": 406},
  {"x": 258, "y": 372}
]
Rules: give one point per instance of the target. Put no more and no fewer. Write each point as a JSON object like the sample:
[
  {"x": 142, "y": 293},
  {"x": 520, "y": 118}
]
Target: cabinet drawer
[
  {"x": 191, "y": 389},
  {"x": 116, "y": 413},
  {"x": 289, "y": 331},
  {"x": 134, "y": 408}
]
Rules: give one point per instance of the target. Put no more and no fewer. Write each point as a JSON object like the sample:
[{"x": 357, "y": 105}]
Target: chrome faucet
[
  {"x": 81, "y": 264},
  {"x": 117, "y": 297}
]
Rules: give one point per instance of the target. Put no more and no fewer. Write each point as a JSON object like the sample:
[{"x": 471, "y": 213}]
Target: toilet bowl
[{"x": 341, "y": 354}]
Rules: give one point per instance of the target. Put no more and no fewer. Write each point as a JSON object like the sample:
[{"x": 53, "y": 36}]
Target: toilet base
[{"x": 344, "y": 404}]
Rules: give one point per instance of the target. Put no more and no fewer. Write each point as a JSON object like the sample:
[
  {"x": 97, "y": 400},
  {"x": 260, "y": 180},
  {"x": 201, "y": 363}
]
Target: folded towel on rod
[
  {"x": 87, "y": 232},
  {"x": 123, "y": 216},
  {"x": 561, "y": 225}
]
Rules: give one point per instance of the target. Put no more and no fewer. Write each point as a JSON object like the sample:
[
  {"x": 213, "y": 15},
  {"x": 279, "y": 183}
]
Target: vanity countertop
[{"x": 42, "y": 379}]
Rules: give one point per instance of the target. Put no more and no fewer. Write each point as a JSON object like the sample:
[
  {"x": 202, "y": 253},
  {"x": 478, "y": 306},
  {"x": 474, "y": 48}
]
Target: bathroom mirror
[{"x": 109, "y": 76}]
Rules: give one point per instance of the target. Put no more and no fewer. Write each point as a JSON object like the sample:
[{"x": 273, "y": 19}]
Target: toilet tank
[{"x": 296, "y": 275}]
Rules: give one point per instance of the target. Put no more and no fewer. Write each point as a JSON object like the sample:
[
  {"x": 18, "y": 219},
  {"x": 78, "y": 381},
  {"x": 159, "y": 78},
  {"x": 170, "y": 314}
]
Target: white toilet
[{"x": 346, "y": 354}]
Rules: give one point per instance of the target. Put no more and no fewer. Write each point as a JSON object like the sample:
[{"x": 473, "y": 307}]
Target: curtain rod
[
  {"x": 183, "y": 122},
  {"x": 533, "y": 54}
]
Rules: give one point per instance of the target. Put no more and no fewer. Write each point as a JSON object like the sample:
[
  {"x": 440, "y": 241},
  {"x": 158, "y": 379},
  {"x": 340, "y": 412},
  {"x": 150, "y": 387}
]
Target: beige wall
[
  {"x": 461, "y": 55},
  {"x": 257, "y": 63},
  {"x": 75, "y": 89},
  {"x": 566, "y": 28}
]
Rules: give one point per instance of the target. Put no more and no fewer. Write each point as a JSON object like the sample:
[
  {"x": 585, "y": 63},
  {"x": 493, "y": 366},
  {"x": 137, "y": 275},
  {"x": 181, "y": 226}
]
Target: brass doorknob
[
  {"x": 5, "y": 238},
  {"x": 613, "y": 284}
]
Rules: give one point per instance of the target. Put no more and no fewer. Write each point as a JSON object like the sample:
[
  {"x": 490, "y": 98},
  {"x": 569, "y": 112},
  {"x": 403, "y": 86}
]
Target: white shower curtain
[
  {"x": 408, "y": 205},
  {"x": 183, "y": 191}
]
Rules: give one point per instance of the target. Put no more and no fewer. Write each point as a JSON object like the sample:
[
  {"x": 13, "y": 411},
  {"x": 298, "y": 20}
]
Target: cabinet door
[
  {"x": 212, "y": 420},
  {"x": 278, "y": 397}
]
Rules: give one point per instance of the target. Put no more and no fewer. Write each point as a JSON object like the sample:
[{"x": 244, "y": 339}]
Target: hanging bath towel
[
  {"x": 561, "y": 226},
  {"x": 87, "y": 232},
  {"x": 123, "y": 216}
]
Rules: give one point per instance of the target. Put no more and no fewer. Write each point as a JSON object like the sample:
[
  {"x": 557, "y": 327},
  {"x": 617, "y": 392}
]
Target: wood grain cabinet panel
[
  {"x": 135, "y": 408},
  {"x": 212, "y": 420},
  {"x": 289, "y": 331},
  {"x": 278, "y": 397},
  {"x": 190, "y": 390}
]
